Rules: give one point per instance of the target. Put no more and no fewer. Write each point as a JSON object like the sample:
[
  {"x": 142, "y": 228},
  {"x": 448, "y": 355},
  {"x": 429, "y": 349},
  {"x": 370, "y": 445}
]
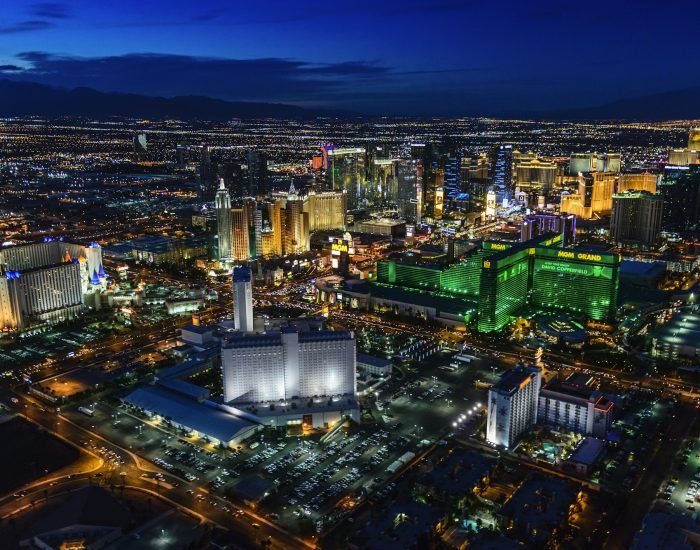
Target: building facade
[{"x": 512, "y": 406}]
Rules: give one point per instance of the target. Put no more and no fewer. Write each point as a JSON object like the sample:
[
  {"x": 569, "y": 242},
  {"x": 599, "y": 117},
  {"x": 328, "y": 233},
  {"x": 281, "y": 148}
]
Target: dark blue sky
[{"x": 374, "y": 56}]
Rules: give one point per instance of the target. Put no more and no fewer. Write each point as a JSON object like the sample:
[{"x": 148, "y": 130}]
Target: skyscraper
[
  {"x": 296, "y": 224},
  {"x": 539, "y": 224},
  {"x": 680, "y": 189},
  {"x": 224, "y": 223},
  {"x": 408, "y": 190},
  {"x": 346, "y": 172},
  {"x": 512, "y": 407},
  {"x": 243, "y": 299},
  {"x": 256, "y": 176},
  {"x": 326, "y": 209},
  {"x": 240, "y": 234},
  {"x": 140, "y": 146},
  {"x": 636, "y": 217},
  {"x": 596, "y": 190}
]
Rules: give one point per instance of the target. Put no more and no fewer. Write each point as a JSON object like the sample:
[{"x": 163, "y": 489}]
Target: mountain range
[{"x": 31, "y": 99}]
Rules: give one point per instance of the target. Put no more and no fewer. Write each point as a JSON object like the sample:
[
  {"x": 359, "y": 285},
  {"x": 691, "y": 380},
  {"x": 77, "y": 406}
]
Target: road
[{"x": 188, "y": 496}]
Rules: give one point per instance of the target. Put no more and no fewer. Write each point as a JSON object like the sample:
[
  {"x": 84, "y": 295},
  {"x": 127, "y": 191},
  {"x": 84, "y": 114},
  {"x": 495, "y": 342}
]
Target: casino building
[
  {"x": 48, "y": 282},
  {"x": 491, "y": 284}
]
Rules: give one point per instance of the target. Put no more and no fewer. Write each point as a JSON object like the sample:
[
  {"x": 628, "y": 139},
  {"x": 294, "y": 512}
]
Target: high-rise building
[
  {"x": 278, "y": 366},
  {"x": 576, "y": 280},
  {"x": 296, "y": 224},
  {"x": 536, "y": 174},
  {"x": 408, "y": 193},
  {"x": 680, "y": 189},
  {"x": 224, "y": 223},
  {"x": 347, "y": 172},
  {"x": 596, "y": 190},
  {"x": 512, "y": 407},
  {"x": 240, "y": 234},
  {"x": 140, "y": 146},
  {"x": 48, "y": 282},
  {"x": 501, "y": 172},
  {"x": 594, "y": 162},
  {"x": 243, "y": 299},
  {"x": 534, "y": 225},
  {"x": 256, "y": 176},
  {"x": 207, "y": 175},
  {"x": 639, "y": 181},
  {"x": 503, "y": 288},
  {"x": 326, "y": 210},
  {"x": 683, "y": 157},
  {"x": 636, "y": 218}
]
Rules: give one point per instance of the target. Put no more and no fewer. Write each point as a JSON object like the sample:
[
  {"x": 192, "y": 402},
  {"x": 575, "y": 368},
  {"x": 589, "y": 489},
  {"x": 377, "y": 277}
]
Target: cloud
[
  {"x": 50, "y": 10},
  {"x": 29, "y": 25},
  {"x": 265, "y": 79},
  {"x": 10, "y": 68}
]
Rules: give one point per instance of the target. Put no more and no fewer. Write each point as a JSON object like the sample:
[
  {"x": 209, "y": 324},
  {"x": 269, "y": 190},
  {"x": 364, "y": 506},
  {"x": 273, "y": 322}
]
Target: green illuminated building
[
  {"x": 503, "y": 288},
  {"x": 505, "y": 277},
  {"x": 575, "y": 280}
]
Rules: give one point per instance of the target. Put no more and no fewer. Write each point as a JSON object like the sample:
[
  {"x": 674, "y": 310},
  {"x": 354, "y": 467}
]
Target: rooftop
[{"x": 206, "y": 417}]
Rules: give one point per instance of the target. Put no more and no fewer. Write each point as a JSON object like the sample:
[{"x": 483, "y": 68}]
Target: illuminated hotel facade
[
  {"x": 512, "y": 406},
  {"x": 48, "y": 282},
  {"x": 503, "y": 278}
]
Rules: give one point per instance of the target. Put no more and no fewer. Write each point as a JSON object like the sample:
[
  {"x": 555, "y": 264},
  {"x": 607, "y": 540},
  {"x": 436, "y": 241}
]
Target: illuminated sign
[
  {"x": 579, "y": 256},
  {"x": 339, "y": 246},
  {"x": 498, "y": 246},
  {"x": 487, "y": 264}
]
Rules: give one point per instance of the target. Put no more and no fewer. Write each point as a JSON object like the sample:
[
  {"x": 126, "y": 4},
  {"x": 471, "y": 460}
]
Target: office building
[
  {"x": 48, "y": 282},
  {"x": 534, "y": 225},
  {"x": 636, "y": 218},
  {"x": 224, "y": 223},
  {"x": 512, "y": 406},
  {"x": 243, "y": 299},
  {"x": 326, "y": 210},
  {"x": 642, "y": 181},
  {"x": 347, "y": 172},
  {"x": 386, "y": 227},
  {"x": 278, "y": 366},
  {"x": 574, "y": 405}
]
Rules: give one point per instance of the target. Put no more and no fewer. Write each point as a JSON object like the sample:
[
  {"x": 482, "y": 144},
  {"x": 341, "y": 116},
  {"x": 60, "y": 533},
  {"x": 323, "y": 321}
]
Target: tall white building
[
  {"x": 288, "y": 364},
  {"x": 243, "y": 299},
  {"x": 512, "y": 407},
  {"x": 224, "y": 222}
]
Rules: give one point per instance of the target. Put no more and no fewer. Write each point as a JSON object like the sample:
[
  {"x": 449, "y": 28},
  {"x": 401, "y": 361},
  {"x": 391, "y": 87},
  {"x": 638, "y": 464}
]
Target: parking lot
[
  {"x": 311, "y": 478},
  {"x": 681, "y": 493}
]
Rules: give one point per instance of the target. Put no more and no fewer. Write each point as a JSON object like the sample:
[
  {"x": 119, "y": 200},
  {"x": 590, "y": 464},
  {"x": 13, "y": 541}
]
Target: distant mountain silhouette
[
  {"x": 679, "y": 104},
  {"x": 30, "y": 99}
]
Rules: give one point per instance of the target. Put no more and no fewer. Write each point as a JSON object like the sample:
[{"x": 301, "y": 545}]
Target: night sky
[{"x": 442, "y": 57}]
